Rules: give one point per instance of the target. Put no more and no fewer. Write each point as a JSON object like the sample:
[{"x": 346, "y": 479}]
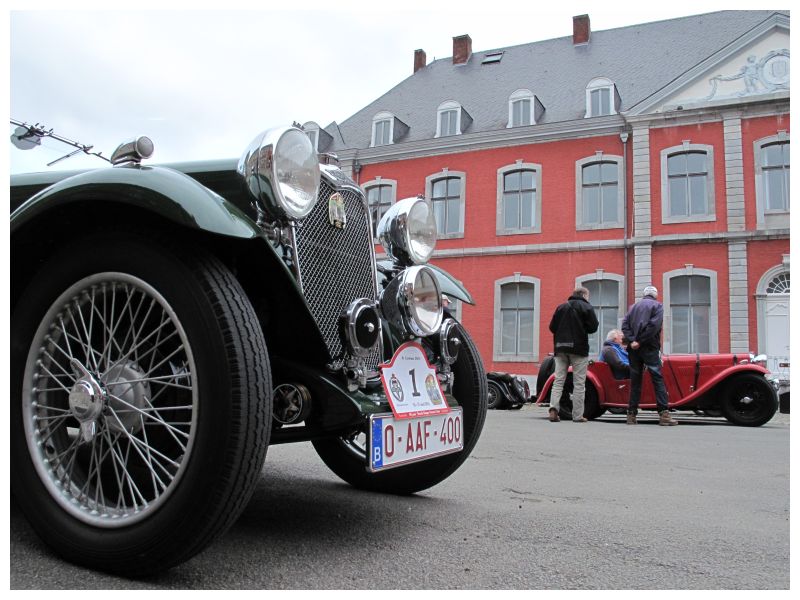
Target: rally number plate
[{"x": 395, "y": 442}]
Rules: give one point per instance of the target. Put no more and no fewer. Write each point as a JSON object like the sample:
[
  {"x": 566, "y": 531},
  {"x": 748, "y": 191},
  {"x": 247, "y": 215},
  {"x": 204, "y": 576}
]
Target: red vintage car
[{"x": 728, "y": 385}]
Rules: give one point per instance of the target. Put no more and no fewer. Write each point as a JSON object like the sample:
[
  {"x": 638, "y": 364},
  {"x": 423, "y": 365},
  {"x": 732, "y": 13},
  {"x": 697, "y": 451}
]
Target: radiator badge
[{"x": 336, "y": 214}]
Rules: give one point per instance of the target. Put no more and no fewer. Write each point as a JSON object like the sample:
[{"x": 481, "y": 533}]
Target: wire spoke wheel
[{"x": 111, "y": 406}]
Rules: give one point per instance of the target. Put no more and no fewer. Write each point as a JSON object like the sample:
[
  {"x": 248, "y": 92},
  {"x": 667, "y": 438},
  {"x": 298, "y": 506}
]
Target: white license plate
[{"x": 395, "y": 442}]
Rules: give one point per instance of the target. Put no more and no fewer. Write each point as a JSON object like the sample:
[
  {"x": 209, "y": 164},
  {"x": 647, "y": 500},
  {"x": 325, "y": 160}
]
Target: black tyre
[
  {"x": 546, "y": 368},
  {"x": 495, "y": 396},
  {"x": 140, "y": 403},
  {"x": 749, "y": 400},
  {"x": 347, "y": 456},
  {"x": 591, "y": 404}
]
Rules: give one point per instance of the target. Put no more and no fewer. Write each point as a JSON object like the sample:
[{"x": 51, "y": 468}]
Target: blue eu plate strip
[{"x": 377, "y": 443}]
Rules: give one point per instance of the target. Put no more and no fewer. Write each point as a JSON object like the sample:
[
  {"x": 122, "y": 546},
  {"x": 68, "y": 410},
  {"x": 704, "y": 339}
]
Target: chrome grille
[{"x": 336, "y": 265}]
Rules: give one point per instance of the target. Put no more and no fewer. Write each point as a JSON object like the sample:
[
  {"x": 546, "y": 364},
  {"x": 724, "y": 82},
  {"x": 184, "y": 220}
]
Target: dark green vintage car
[{"x": 169, "y": 323}]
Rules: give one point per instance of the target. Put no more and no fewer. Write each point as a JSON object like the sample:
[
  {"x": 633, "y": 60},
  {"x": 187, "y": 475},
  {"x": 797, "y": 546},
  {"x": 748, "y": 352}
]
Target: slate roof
[{"x": 639, "y": 59}]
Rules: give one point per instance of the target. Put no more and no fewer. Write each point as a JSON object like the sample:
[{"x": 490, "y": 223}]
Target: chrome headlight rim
[
  {"x": 401, "y": 235},
  {"x": 408, "y": 292},
  {"x": 260, "y": 166}
]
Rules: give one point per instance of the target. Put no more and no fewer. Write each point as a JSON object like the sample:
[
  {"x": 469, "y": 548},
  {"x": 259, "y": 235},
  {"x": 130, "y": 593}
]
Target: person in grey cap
[{"x": 642, "y": 328}]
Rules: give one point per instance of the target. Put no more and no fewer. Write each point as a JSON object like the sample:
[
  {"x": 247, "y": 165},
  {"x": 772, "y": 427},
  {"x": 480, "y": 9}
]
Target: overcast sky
[{"x": 201, "y": 84}]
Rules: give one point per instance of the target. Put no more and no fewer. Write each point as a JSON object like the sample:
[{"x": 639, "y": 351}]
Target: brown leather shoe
[
  {"x": 581, "y": 420},
  {"x": 554, "y": 418},
  {"x": 631, "y": 419},
  {"x": 664, "y": 418}
]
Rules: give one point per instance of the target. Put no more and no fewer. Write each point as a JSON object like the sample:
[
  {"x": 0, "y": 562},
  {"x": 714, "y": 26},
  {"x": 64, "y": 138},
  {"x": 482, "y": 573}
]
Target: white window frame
[
  {"x": 382, "y": 117},
  {"x": 521, "y": 94},
  {"x": 579, "y": 165},
  {"x": 376, "y": 182},
  {"x": 537, "y": 209},
  {"x": 711, "y": 215},
  {"x": 312, "y": 127},
  {"x": 713, "y": 316},
  {"x": 601, "y": 83},
  {"x": 463, "y": 198},
  {"x": 498, "y": 320},
  {"x": 446, "y": 107},
  {"x": 601, "y": 275},
  {"x": 770, "y": 219}
]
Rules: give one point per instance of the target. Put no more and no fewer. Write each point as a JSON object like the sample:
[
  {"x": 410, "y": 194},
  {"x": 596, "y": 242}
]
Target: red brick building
[{"x": 653, "y": 154}]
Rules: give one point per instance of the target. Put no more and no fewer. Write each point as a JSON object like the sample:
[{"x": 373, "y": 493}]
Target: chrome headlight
[
  {"x": 408, "y": 231},
  {"x": 281, "y": 170},
  {"x": 412, "y": 302}
]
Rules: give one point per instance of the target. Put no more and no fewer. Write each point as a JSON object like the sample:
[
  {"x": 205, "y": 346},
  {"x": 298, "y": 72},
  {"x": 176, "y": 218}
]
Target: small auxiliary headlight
[
  {"x": 412, "y": 302},
  {"x": 407, "y": 231}
]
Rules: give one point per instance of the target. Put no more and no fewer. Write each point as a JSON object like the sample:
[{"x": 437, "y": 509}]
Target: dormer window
[
  {"x": 320, "y": 139},
  {"x": 451, "y": 119},
  {"x": 523, "y": 108},
  {"x": 601, "y": 98},
  {"x": 382, "y": 125},
  {"x": 387, "y": 129}
]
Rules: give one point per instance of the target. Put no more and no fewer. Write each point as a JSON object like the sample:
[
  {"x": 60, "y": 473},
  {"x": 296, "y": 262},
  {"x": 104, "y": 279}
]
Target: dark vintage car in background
[
  {"x": 169, "y": 323},
  {"x": 733, "y": 386},
  {"x": 507, "y": 390}
]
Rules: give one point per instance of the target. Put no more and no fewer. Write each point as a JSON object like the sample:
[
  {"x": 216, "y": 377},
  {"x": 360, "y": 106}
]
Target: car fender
[
  {"x": 590, "y": 377},
  {"x": 719, "y": 378},
  {"x": 501, "y": 384},
  {"x": 161, "y": 190},
  {"x": 450, "y": 285}
]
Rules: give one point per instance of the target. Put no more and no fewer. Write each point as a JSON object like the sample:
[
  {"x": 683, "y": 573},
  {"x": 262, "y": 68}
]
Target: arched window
[
  {"x": 382, "y": 129},
  {"x": 521, "y": 108},
  {"x": 687, "y": 183},
  {"x": 690, "y": 311},
  {"x": 381, "y": 194},
  {"x": 599, "y": 192},
  {"x": 448, "y": 119},
  {"x": 516, "y": 331},
  {"x": 519, "y": 208},
  {"x": 601, "y": 98},
  {"x": 779, "y": 284},
  {"x": 446, "y": 191},
  {"x": 772, "y": 180},
  {"x": 606, "y": 296}
]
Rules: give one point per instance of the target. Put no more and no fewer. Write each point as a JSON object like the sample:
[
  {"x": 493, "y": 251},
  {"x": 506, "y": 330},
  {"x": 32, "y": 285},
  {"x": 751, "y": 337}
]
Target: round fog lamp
[{"x": 423, "y": 300}]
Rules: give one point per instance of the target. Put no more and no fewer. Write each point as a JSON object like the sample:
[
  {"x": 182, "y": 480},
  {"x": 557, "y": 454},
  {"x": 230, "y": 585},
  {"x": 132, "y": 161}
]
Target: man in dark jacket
[
  {"x": 642, "y": 328},
  {"x": 571, "y": 325}
]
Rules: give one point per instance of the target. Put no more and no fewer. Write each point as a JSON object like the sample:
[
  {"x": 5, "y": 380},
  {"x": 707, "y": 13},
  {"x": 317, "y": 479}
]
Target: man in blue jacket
[
  {"x": 642, "y": 328},
  {"x": 571, "y": 325}
]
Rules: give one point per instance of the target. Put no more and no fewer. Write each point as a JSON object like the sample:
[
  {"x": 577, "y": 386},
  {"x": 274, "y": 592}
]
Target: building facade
[{"x": 654, "y": 154}]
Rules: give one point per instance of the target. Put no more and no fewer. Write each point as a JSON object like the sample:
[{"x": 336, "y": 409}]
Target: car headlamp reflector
[
  {"x": 407, "y": 231},
  {"x": 297, "y": 173},
  {"x": 412, "y": 302},
  {"x": 281, "y": 171}
]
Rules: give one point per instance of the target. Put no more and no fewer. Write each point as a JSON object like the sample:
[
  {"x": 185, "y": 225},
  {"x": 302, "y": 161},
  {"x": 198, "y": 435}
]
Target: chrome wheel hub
[{"x": 110, "y": 400}]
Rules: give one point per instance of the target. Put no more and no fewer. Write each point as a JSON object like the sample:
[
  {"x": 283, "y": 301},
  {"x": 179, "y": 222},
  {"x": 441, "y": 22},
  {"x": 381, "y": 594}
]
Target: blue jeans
[{"x": 650, "y": 359}]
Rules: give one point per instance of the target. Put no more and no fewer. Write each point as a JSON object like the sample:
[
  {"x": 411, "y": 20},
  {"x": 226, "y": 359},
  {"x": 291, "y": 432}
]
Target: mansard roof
[{"x": 640, "y": 60}]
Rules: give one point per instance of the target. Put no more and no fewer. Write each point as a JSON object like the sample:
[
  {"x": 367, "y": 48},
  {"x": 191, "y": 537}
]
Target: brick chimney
[
  {"x": 581, "y": 30},
  {"x": 462, "y": 49},
  {"x": 420, "y": 60}
]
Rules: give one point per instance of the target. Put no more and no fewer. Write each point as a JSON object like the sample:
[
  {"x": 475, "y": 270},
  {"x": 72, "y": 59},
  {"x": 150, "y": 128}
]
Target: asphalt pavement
[{"x": 538, "y": 505}]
